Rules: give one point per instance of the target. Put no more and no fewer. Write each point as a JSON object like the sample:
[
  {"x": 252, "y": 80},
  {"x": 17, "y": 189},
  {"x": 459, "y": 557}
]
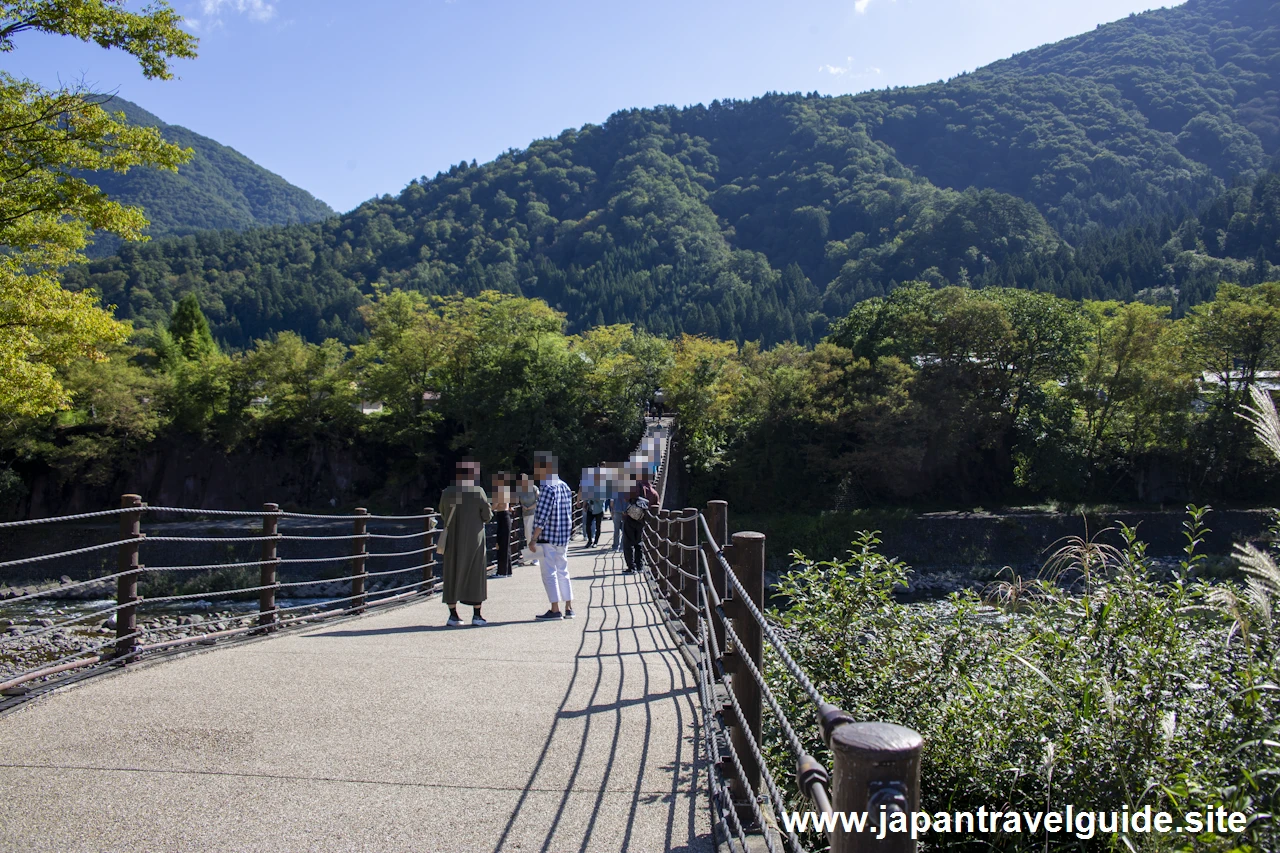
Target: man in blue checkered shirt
[{"x": 552, "y": 527}]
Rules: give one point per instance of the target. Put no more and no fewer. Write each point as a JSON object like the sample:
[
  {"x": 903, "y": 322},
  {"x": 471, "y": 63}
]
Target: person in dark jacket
[
  {"x": 633, "y": 529},
  {"x": 465, "y": 508}
]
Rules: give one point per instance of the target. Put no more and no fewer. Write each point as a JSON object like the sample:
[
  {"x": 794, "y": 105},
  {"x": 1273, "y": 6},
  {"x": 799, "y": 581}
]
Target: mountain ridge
[
  {"x": 220, "y": 188},
  {"x": 766, "y": 219}
]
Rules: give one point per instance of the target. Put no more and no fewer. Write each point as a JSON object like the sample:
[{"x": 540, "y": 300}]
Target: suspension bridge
[{"x": 360, "y": 722}]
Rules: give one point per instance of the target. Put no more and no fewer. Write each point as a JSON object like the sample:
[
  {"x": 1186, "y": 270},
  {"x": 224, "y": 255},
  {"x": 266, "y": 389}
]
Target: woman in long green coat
[{"x": 464, "y": 507}]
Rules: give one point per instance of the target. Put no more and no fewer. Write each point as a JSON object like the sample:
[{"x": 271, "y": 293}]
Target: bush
[{"x": 1098, "y": 686}]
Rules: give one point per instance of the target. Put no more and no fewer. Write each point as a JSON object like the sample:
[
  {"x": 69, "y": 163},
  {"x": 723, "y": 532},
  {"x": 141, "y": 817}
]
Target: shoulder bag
[{"x": 443, "y": 539}]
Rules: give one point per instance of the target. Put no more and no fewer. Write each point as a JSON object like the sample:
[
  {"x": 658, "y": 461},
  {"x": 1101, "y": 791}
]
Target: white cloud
[
  {"x": 860, "y": 6},
  {"x": 847, "y": 70},
  {"x": 256, "y": 10}
]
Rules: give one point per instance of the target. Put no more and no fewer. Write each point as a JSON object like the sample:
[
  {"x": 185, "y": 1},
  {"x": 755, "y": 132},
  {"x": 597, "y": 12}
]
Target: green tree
[
  {"x": 48, "y": 138},
  {"x": 190, "y": 329}
]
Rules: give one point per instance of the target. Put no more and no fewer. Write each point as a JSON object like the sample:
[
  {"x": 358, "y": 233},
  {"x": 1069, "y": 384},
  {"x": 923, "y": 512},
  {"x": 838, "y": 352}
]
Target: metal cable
[
  {"x": 793, "y": 741},
  {"x": 707, "y": 695},
  {"x": 751, "y": 801},
  {"x": 741, "y": 596},
  {"x": 774, "y": 794},
  {"x": 209, "y": 567},
  {"x": 27, "y": 635},
  {"x": 198, "y": 595},
  {"x": 293, "y": 584},
  {"x": 215, "y": 539},
  {"x": 281, "y": 514},
  {"x": 234, "y": 513},
  {"x": 369, "y": 517},
  {"x": 417, "y": 568},
  {"x": 40, "y": 559},
  {"x": 63, "y": 587},
  {"x": 31, "y": 522},
  {"x": 397, "y": 535},
  {"x": 367, "y": 593}
]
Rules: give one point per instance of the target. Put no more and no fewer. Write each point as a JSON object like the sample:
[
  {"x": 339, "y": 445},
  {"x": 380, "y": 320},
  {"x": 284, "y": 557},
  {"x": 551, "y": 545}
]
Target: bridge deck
[{"x": 384, "y": 733}]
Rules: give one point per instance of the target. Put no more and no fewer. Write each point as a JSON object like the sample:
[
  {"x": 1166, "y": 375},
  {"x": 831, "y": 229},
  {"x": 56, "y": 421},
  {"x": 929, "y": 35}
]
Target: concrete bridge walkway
[{"x": 384, "y": 733}]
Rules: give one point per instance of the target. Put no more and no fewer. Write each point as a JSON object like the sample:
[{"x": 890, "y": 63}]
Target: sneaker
[
  {"x": 568, "y": 613},
  {"x": 550, "y": 614},
  {"x": 479, "y": 621},
  {"x": 453, "y": 622}
]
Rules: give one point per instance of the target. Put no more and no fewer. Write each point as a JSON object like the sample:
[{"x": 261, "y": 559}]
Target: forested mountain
[
  {"x": 218, "y": 189},
  {"x": 1126, "y": 161}
]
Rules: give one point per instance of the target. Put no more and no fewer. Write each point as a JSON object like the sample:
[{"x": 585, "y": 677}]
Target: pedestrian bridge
[
  {"x": 386, "y": 732},
  {"x": 360, "y": 722}
]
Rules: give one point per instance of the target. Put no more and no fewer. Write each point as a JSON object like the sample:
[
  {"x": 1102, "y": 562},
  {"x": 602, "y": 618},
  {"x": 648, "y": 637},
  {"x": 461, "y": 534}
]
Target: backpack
[{"x": 637, "y": 509}]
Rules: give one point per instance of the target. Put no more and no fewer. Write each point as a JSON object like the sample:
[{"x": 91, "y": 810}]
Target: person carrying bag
[{"x": 642, "y": 498}]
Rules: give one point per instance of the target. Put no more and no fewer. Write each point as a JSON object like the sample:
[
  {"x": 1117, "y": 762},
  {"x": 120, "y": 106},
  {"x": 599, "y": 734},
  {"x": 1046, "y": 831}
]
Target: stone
[
  {"x": 65, "y": 579},
  {"x": 44, "y": 623}
]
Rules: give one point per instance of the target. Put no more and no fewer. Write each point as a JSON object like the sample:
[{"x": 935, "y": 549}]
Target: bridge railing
[
  {"x": 374, "y": 569},
  {"x": 711, "y": 588}
]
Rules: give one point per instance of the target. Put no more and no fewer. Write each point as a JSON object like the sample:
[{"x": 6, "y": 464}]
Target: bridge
[{"x": 361, "y": 722}]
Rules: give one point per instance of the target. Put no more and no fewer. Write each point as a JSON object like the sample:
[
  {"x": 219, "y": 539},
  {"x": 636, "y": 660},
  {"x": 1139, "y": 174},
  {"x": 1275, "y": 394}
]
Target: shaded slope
[{"x": 219, "y": 189}]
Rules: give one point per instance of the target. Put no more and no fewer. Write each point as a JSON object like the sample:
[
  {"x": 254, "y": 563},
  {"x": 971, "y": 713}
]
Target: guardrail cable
[{"x": 269, "y": 615}]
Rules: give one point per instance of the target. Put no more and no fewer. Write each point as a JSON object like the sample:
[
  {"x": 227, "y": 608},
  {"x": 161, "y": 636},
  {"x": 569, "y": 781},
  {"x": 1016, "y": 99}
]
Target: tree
[
  {"x": 48, "y": 139},
  {"x": 190, "y": 328}
]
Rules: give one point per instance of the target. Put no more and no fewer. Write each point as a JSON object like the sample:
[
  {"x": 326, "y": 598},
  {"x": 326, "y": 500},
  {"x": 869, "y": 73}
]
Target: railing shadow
[{"x": 620, "y": 613}]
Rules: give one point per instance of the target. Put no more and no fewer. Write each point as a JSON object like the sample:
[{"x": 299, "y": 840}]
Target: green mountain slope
[
  {"x": 767, "y": 218},
  {"x": 219, "y": 189}
]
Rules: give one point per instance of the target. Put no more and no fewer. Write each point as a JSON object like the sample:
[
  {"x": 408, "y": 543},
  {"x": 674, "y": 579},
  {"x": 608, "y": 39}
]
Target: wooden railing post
[
  {"x": 517, "y": 533},
  {"x": 746, "y": 559},
  {"x": 359, "y": 548},
  {"x": 127, "y": 584},
  {"x": 874, "y": 765},
  {"x": 267, "y": 575},
  {"x": 689, "y": 563},
  {"x": 428, "y": 542},
  {"x": 503, "y": 543}
]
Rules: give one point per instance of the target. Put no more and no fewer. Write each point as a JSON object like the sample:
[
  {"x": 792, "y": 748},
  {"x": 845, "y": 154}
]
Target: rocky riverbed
[{"x": 42, "y": 631}]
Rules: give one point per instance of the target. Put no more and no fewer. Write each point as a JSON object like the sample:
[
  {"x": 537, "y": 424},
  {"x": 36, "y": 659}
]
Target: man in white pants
[{"x": 552, "y": 527}]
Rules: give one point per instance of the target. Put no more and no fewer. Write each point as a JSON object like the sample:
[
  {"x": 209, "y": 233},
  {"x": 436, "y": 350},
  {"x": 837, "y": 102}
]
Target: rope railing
[
  {"x": 223, "y": 513},
  {"x": 24, "y": 651},
  {"x": 711, "y": 590}
]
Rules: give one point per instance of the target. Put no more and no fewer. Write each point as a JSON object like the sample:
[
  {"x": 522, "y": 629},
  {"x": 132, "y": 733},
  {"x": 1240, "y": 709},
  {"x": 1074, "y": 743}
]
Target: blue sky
[{"x": 351, "y": 101}]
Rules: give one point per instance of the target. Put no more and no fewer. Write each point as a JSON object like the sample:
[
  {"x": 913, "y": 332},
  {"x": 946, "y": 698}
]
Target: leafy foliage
[
  {"x": 1101, "y": 686},
  {"x": 47, "y": 210},
  {"x": 494, "y": 377},
  {"x": 957, "y": 396}
]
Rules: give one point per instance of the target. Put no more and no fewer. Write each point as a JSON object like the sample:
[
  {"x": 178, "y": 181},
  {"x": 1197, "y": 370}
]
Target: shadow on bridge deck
[{"x": 388, "y": 733}]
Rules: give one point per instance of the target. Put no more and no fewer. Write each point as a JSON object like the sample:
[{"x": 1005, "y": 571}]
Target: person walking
[
  {"x": 619, "y": 504},
  {"x": 595, "y": 519},
  {"x": 465, "y": 508},
  {"x": 552, "y": 527},
  {"x": 643, "y": 497},
  {"x": 502, "y": 516},
  {"x": 527, "y": 495}
]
